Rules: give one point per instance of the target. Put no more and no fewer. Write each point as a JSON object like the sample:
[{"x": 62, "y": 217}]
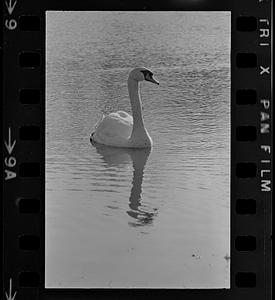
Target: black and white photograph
[{"x": 137, "y": 191}]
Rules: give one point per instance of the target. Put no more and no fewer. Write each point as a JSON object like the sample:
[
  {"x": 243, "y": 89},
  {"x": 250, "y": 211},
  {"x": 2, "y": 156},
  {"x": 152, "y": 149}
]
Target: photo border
[{"x": 24, "y": 160}]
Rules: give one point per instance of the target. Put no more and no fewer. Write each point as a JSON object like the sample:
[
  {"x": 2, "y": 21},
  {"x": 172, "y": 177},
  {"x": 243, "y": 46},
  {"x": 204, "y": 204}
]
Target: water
[{"x": 138, "y": 218}]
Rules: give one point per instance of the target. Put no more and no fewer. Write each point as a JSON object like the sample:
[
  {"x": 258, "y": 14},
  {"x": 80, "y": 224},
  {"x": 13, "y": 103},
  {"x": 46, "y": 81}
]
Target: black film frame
[{"x": 23, "y": 161}]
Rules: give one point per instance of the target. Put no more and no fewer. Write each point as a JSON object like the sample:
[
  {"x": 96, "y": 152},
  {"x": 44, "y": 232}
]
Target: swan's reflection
[{"x": 112, "y": 156}]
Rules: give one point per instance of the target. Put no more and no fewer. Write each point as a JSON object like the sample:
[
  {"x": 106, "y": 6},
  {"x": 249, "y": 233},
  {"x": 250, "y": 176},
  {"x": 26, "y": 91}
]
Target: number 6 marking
[{"x": 11, "y": 24}]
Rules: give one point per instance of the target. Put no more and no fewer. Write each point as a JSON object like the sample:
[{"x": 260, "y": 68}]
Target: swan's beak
[{"x": 154, "y": 80}]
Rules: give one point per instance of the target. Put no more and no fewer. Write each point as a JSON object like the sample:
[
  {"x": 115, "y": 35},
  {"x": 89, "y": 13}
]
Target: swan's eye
[{"x": 147, "y": 75}]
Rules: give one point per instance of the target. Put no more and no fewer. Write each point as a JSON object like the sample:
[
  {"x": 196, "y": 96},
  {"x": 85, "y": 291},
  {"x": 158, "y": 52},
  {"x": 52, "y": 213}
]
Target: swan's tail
[{"x": 96, "y": 126}]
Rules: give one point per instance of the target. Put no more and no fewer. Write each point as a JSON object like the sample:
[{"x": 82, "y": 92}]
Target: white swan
[{"x": 120, "y": 129}]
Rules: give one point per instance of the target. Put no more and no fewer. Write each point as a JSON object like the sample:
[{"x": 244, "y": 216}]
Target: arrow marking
[
  {"x": 10, "y": 145},
  {"x": 10, "y": 6},
  {"x": 9, "y": 296}
]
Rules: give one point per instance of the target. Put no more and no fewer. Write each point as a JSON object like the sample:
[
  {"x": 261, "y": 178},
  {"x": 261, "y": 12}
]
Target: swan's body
[{"x": 120, "y": 129}]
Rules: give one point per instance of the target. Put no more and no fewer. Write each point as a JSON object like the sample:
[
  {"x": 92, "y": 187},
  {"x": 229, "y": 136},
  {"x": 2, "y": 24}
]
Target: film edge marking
[
  {"x": 265, "y": 116},
  {"x": 265, "y": 112},
  {"x": 10, "y": 161},
  {"x": 10, "y": 296},
  {"x": 10, "y": 6},
  {"x": 265, "y": 181},
  {"x": 264, "y": 32},
  {"x": 10, "y": 24}
]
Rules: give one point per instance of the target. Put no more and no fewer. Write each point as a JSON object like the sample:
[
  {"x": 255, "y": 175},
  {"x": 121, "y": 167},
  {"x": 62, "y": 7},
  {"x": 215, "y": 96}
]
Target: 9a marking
[{"x": 9, "y": 160}]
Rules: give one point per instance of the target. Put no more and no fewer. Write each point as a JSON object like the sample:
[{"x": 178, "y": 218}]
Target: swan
[{"x": 120, "y": 129}]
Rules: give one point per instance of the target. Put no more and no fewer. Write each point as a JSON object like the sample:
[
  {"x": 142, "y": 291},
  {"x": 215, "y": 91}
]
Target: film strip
[{"x": 24, "y": 104}]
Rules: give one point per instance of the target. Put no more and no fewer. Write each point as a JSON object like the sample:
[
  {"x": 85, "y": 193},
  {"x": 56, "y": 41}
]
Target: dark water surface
[{"x": 138, "y": 218}]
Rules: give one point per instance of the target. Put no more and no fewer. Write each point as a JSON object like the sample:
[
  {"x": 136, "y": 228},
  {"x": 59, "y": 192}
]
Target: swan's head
[{"x": 140, "y": 74}]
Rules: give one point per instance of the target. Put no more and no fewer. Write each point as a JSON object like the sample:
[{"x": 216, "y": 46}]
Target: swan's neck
[{"x": 138, "y": 124}]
